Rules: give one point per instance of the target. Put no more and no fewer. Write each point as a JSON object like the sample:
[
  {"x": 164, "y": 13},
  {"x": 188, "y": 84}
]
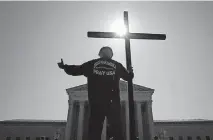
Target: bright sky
[{"x": 34, "y": 36}]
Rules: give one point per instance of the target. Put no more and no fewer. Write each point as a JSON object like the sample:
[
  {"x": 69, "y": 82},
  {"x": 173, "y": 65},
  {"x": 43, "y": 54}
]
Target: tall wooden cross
[{"x": 127, "y": 38}]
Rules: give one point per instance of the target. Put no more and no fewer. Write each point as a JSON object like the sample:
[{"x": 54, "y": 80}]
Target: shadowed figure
[{"x": 103, "y": 76}]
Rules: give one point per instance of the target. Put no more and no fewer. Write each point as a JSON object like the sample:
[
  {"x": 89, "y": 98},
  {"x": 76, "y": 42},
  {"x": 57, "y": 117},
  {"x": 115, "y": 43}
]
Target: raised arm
[
  {"x": 124, "y": 74},
  {"x": 75, "y": 70}
]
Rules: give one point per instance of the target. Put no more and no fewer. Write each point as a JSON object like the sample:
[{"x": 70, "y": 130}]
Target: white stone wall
[
  {"x": 188, "y": 129},
  {"x": 174, "y": 130},
  {"x": 29, "y": 130}
]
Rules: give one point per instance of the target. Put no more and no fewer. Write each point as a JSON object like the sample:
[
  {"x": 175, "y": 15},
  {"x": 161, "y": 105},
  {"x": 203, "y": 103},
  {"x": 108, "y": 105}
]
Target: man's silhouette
[{"x": 103, "y": 75}]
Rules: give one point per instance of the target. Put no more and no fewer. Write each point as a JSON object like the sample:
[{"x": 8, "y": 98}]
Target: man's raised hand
[{"x": 61, "y": 64}]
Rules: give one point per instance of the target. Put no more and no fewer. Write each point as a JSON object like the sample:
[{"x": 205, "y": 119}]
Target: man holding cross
[{"x": 103, "y": 76}]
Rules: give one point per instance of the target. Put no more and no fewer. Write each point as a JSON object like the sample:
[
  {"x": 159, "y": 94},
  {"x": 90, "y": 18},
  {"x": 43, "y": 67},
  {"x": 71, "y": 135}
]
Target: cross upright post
[
  {"x": 127, "y": 38},
  {"x": 130, "y": 83}
]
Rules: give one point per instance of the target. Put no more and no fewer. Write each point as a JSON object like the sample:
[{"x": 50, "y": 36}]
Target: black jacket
[{"x": 103, "y": 76}]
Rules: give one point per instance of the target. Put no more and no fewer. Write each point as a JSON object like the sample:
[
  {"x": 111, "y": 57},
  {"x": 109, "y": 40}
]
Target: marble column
[
  {"x": 69, "y": 121},
  {"x": 86, "y": 120},
  {"x": 148, "y": 125},
  {"x": 80, "y": 121},
  {"x": 139, "y": 121},
  {"x": 123, "y": 118},
  {"x": 150, "y": 120},
  {"x": 144, "y": 121},
  {"x": 127, "y": 121}
]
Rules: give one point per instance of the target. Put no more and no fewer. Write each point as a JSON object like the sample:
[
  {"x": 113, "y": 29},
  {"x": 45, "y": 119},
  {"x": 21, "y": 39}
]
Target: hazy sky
[{"x": 35, "y": 35}]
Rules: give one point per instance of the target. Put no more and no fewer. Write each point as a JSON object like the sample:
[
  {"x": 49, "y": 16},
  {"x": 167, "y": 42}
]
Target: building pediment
[{"x": 123, "y": 87}]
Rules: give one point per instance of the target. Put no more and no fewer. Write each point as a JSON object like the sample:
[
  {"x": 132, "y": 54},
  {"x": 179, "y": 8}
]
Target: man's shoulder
[
  {"x": 92, "y": 61},
  {"x": 99, "y": 59},
  {"x": 114, "y": 61}
]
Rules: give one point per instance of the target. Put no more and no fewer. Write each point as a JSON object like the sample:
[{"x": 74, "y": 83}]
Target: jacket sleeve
[
  {"x": 77, "y": 70},
  {"x": 124, "y": 74}
]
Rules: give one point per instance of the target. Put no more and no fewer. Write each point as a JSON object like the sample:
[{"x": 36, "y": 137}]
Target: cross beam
[
  {"x": 128, "y": 35},
  {"x": 127, "y": 38}
]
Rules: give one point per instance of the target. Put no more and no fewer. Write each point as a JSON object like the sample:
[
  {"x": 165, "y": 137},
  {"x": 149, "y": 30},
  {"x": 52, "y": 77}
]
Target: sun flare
[{"x": 119, "y": 27}]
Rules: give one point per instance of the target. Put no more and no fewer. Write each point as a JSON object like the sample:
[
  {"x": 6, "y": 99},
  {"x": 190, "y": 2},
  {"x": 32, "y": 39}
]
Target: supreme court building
[
  {"x": 77, "y": 120},
  {"x": 76, "y": 126}
]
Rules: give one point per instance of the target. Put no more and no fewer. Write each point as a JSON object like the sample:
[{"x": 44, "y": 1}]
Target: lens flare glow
[{"x": 119, "y": 27}]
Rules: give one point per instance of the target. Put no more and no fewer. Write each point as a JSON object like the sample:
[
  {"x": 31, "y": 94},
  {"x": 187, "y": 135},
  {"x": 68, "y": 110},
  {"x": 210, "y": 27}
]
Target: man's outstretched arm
[
  {"x": 125, "y": 74},
  {"x": 74, "y": 70}
]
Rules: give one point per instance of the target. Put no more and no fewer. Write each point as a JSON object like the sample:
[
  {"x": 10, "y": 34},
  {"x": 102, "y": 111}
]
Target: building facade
[
  {"x": 75, "y": 128},
  {"x": 79, "y": 112},
  {"x": 50, "y": 129}
]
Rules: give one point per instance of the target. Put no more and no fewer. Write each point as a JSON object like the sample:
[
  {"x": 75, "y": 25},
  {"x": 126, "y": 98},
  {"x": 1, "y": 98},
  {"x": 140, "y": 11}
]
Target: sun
[{"x": 119, "y": 27}]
